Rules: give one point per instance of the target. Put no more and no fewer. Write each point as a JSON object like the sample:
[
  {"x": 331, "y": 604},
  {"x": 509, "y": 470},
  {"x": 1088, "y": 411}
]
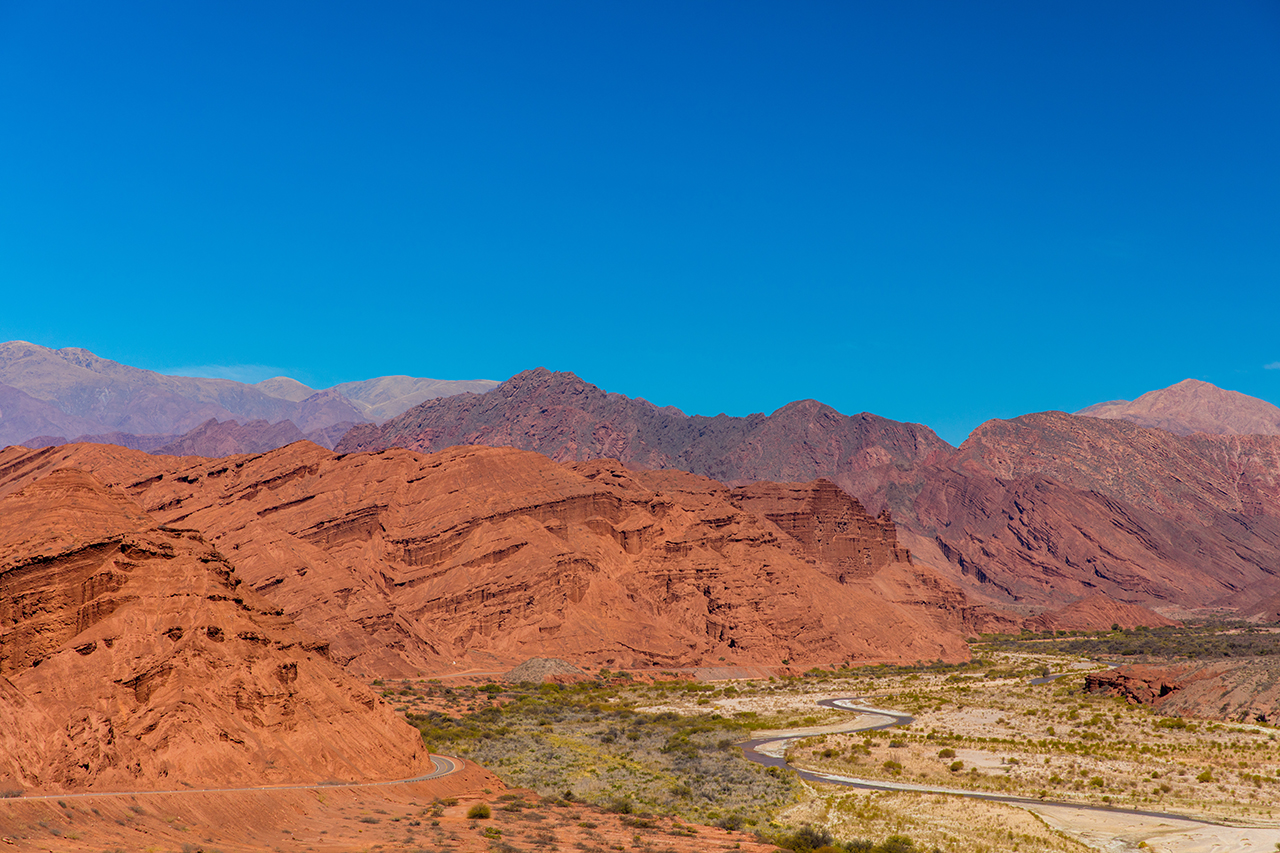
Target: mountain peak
[{"x": 1193, "y": 405}]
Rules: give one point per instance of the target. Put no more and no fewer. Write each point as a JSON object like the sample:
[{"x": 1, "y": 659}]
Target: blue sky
[{"x": 938, "y": 212}]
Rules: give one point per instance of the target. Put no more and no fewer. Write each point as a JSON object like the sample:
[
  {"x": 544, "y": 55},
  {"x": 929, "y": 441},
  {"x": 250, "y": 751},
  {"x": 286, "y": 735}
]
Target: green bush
[{"x": 480, "y": 811}]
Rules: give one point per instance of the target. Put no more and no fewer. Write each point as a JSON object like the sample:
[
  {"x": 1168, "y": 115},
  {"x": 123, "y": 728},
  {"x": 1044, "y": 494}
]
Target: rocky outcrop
[
  {"x": 831, "y": 524},
  {"x": 1239, "y": 690},
  {"x": 1193, "y": 406},
  {"x": 1140, "y": 684},
  {"x": 537, "y": 670},
  {"x": 132, "y": 657}
]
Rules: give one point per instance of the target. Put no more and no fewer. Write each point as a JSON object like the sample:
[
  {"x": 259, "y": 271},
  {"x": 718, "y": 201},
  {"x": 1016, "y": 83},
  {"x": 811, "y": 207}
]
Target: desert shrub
[
  {"x": 480, "y": 811},
  {"x": 806, "y": 839},
  {"x": 897, "y": 844}
]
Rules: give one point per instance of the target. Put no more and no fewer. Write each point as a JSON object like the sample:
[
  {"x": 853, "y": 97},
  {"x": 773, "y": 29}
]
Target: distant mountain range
[
  {"x": 1039, "y": 510},
  {"x": 52, "y": 396},
  {"x": 1171, "y": 501}
]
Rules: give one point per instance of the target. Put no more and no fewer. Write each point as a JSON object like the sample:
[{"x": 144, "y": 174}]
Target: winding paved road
[
  {"x": 771, "y": 751},
  {"x": 443, "y": 765}
]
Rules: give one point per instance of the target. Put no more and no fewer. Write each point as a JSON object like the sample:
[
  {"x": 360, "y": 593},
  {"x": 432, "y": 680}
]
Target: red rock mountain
[
  {"x": 1194, "y": 406},
  {"x": 486, "y": 556},
  {"x": 1037, "y": 512},
  {"x": 560, "y": 416},
  {"x": 1051, "y": 507},
  {"x": 132, "y": 657}
]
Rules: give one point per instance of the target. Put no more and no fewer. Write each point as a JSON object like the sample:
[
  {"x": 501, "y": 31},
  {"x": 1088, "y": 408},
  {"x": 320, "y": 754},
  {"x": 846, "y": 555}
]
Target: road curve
[
  {"x": 443, "y": 766},
  {"x": 771, "y": 752}
]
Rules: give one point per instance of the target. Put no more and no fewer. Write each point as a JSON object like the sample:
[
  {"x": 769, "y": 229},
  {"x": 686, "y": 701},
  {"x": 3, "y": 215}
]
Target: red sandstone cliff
[
  {"x": 487, "y": 556},
  {"x": 132, "y": 657}
]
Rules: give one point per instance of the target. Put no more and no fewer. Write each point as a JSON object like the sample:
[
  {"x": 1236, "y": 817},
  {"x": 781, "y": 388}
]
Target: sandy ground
[
  {"x": 1127, "y": 832},
  {"x": 1095, "y": 829}
]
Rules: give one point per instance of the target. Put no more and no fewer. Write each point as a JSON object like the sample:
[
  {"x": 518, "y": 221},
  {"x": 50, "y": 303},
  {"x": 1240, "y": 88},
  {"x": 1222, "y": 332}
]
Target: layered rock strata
[
  {"x": 132, "y": 657},
  {"x": 486, "y": 556}
]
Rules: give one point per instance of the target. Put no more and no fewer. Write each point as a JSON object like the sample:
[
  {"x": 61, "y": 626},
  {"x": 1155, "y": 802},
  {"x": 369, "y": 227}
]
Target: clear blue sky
[{"x": 939, "y": 212}]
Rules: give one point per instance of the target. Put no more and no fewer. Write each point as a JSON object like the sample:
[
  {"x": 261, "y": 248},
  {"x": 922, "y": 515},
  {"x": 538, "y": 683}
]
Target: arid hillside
[
  {"x": 1238, "y": 689},
  {"x": 1036, "y": 512},
  {"x": 1052, "y": 507},
  {"x": 132, "y": 657},
  {"x": 485, "y": 557}
]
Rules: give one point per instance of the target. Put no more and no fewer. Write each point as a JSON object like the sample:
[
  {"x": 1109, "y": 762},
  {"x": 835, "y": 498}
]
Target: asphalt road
[{"x": 776, "y": 752}]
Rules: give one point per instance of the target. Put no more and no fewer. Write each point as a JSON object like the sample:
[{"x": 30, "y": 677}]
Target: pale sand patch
[
  {"x": 948, "y": 823},
  {"x": 1103, "y": 831},
  {"x": 767, "y": 703},
  {"x": 854, "y": 723}
]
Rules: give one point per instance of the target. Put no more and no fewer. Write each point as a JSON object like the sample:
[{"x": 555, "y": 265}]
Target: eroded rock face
[
  {"x": 131, "y": 656},
  {"x": 1240, "y": 690},
  {"x": 1097, "y": 612},
  {"x": 486, "y": 556},
  {"x": 1049, "y": 508},
  {"x": 1036, "y": 512},
  {"x": 831, "y": 524}
]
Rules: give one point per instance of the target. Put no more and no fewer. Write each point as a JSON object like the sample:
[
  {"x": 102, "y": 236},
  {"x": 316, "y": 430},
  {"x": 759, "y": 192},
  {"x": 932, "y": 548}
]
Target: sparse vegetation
[
  {"x": 1197, "y": 640},
  {"x": 638, "y": 749},
  {"x": 590, "y": 741}
]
